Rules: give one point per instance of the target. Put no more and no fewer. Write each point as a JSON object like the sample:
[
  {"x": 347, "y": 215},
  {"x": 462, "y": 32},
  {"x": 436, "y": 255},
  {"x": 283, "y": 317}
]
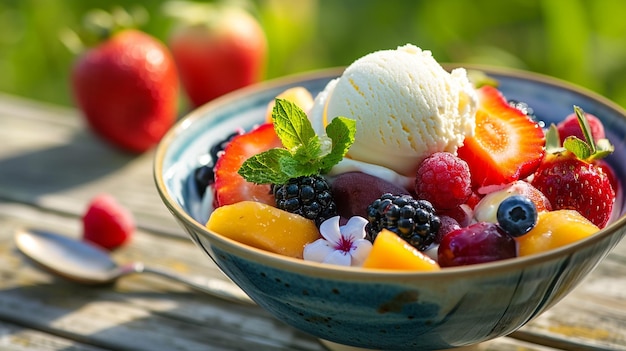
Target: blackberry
[
  {"x": 204, "y": 175},
  {"x": 413, "y": 220},
  {"x": 308, "y": 196}
]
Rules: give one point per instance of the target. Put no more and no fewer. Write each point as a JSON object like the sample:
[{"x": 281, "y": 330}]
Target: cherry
[{"x": 478, "y": 243}]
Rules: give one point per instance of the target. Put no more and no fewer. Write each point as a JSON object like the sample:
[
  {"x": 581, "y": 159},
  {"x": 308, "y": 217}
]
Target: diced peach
[
  {"x": 264, "y": 227},
  {"x": 390, "y": 251},
  {"x": 555, "y": 229},
  {"x": 298, "y": 95}
]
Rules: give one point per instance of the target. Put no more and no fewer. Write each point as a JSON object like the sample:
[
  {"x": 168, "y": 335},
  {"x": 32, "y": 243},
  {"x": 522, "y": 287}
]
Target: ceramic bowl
[{"x": 389, "y": 309}]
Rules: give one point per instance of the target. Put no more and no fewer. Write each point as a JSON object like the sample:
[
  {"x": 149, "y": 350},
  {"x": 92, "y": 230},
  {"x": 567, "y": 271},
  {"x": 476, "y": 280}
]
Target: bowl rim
[{"x": 282, "y": 262}]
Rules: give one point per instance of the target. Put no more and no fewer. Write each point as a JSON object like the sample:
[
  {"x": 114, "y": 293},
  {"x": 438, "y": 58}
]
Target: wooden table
[{"x": 51, "y": 166}]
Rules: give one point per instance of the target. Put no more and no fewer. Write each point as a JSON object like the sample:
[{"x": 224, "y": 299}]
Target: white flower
[{"x": 341, "y": 245}]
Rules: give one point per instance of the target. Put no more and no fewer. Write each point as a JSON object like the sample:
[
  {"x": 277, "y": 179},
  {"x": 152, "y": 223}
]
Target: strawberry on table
[
  {"x": 127, "y": 88},
  {"x": 572, "y": 177},
  {"x": 507, "y": 145},
  {"x": 218, "y": 48},
  {"x": 230, "y": 187}
]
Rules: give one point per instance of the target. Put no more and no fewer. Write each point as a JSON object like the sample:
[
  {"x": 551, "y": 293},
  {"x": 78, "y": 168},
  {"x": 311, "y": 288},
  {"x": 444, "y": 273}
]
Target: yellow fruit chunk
[
  {"x": 298, "y": 95},
  {"x": 264, "y": 227},
  {"x": 390, "y": 251},
  {"x": 555, "y": 229}
]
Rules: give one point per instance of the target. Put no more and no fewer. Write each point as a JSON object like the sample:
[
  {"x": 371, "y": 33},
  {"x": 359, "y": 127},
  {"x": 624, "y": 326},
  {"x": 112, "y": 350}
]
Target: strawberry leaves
[
  {"x": 305, "y": 152},
  {"x": 587, "y": 150}
]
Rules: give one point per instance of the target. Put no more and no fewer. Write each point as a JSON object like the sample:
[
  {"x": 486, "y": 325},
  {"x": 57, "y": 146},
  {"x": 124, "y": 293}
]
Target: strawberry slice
[
  {"x": 507, "y": 145},
  {"x": 229, "y": 186}
]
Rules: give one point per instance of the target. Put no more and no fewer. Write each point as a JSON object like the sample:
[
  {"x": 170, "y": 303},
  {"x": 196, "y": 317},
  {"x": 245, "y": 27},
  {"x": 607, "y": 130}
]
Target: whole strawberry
[
  {"x": 571, "y": 178},
  {"x": 127, "y": 88},
  {"x": 218, "y": 48}
]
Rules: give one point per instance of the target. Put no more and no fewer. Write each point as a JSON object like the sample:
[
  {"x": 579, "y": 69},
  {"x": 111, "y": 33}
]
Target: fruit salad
[{"x": 399, "y": 164}]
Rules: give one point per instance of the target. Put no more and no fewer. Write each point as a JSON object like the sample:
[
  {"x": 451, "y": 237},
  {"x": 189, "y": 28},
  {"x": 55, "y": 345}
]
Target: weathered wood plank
[
  {"x": 17, "y": 338},
  {"x": 51, "y": 160}
]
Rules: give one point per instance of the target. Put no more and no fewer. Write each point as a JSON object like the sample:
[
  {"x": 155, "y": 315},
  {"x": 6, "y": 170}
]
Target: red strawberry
[
  {"x": 106, "y": 223},
  {"x": 230, "y": 187},
  {"x": 127, "y": 88},
  {"x": 506, "y": 146},
  {"x": 572, "y": 177},
  {"x": 610, "y": 172},
  {"x": 217, "y": 49}
]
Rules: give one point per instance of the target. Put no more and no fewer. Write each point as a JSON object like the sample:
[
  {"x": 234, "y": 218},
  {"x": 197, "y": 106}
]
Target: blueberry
[{"x": 517, "y": 215}]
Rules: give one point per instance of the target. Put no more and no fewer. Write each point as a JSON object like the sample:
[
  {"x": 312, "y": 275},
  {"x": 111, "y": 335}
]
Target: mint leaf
[
  {"x": 305, "y": 152},
  {"x": 341, "y": 132},
  {"x": 291, "y": 124},
  {"x": 294, "y": 169},
  {"x": 265, "y": 168},
  {"x": 309, "y": 153}
]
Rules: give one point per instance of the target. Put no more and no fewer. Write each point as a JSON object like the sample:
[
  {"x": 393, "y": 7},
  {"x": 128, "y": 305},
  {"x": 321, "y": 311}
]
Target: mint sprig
[{"x": 305, "y": 153}]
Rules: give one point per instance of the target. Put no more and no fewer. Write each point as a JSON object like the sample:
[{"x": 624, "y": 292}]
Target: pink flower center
[{"x": 344, "y": 244}]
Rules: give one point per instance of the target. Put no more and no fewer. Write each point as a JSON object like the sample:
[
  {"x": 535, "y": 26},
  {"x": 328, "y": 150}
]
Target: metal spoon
[{"x": 85, "y": 263}]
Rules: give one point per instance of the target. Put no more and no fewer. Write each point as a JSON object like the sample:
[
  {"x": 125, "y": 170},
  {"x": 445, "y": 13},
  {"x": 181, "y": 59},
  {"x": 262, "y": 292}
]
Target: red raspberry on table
[
  {"x": 444, "y": 180},
  {"x": 106, "y": 223}
]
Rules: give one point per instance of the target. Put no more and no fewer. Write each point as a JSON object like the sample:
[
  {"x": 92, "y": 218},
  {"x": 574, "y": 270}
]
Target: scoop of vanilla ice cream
[{"x": 406, "y": 107}]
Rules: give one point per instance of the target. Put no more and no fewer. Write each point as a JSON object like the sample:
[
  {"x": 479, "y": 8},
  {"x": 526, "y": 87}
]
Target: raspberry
[
  {"x": 444, "y": 180},
  {"x": 106, "y": 223}
]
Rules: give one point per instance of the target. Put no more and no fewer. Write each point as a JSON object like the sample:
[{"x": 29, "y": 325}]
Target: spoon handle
[{"x": 214, "y": 287}]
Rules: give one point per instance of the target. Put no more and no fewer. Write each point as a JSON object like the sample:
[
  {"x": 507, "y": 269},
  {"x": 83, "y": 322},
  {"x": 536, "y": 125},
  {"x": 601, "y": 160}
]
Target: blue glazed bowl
[{"x": 389, "y": 309}]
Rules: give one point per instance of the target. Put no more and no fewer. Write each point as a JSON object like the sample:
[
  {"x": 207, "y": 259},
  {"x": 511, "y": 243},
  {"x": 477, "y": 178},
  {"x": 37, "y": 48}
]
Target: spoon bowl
[{"x": 86, "y": 263}]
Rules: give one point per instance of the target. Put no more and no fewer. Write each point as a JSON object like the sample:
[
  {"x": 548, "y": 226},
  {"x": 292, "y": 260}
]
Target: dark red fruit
[
  {"x": 448, "y": 225},
  {"x": 354, "y": 191},
  {"x": 461, "y": 214},
  {"x": 479, "y": 243}
]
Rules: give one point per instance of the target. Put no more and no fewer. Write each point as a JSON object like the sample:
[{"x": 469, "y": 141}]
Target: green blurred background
[{"x": 582, "y": 41}]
